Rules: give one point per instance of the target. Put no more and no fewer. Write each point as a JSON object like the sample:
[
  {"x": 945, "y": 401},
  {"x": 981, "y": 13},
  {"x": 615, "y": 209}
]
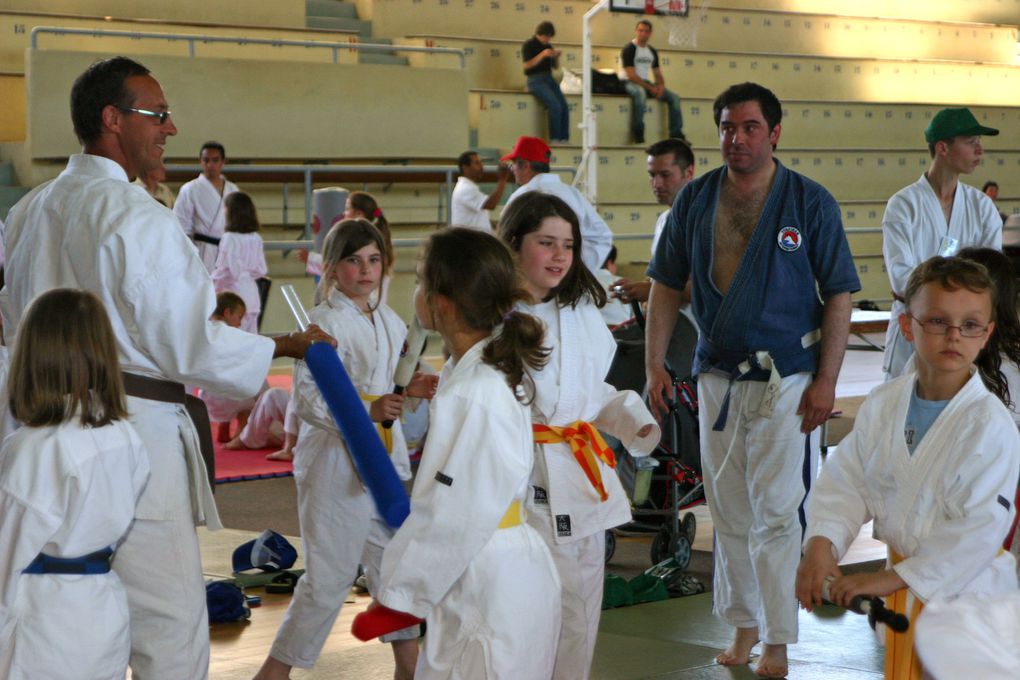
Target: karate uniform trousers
[
  {"x": 945, "y": 508},
  {"x": 340, "y": 527},
  {"x": 490, "y": 596},
  {"x": 67, "y": 491},
  {"x": 91, "y": 229},
  {"x": 268, "y": 418},
  {"x": 564, "y": 506}
]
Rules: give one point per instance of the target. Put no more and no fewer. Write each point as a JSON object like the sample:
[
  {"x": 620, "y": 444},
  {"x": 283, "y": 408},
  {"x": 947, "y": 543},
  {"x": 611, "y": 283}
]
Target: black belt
[
  {"x": 171, "y": 392},
  {"x": 93, "y": 563},
  {"x": 204, "y": 238}
]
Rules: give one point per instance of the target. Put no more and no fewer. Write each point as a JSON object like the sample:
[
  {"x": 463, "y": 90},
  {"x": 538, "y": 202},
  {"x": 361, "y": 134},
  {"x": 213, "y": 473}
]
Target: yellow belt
[
  {"x": 586, "y": 444},
  {"x": 514, "y": 516},
  {"x": 385, "y": 434}
]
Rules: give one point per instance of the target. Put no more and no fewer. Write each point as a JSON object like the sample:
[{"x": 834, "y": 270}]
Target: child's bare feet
[
  {"x": 773, "y": 662},
  {"x": 235, "y": 444},
  {"x": 273, "y": 670},
  {"x": 282, "y": 454},
  {"x": 739, "y": 651}
]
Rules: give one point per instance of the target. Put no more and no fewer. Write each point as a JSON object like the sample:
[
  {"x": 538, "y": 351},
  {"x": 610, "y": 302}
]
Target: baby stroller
[{"x": 676, "y": 485}]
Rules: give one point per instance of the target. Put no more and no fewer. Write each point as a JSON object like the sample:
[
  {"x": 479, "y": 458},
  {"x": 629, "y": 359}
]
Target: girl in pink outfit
[{"x": 241, "y": 259}]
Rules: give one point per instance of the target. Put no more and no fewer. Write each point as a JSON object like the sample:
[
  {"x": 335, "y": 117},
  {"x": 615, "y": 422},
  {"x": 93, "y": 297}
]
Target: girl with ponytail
[
  {"x": 362, "y": 205},
  {"x": 576, "y": 495},
  {"x": 465, "y": 559}
]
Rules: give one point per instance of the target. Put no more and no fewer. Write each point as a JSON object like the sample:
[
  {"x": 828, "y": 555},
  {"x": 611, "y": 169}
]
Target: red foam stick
[{"x": 379, "y": 620}]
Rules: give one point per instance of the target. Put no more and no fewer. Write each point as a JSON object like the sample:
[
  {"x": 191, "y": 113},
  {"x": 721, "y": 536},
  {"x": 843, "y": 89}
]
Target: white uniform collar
[{"x": 95, "y": 166}]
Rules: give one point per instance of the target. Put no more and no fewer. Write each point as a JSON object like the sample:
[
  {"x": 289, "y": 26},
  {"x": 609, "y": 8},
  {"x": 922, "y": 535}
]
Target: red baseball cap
[{"x": 530, "y": 149}]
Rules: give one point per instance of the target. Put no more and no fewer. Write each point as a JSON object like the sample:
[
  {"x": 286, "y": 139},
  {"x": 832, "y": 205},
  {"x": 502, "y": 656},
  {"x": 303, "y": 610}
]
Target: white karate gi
[
  {"x": 490, "y": 596},
  {"x": 914, "y": 229},
  {"x": 596, "y": 238},
  {"x": 970, "y": 637},
  {"x": 240, "y": 260},
  {"x": 268, "y": 418},
  {"x": 91, "y": 229},
  {"x": 199, "y": 208},
  {"x": 467, "y": 206},
  {"x": 67, "y": 491},
  {"x": 568, "y": 512},
  {"x": 340, "y": 527},
  {"x": 614, "y": 312},
  {"x": 946, "y": 508}
]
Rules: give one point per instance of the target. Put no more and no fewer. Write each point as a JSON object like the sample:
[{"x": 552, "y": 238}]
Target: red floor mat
[{"x": 239, "y": 466}]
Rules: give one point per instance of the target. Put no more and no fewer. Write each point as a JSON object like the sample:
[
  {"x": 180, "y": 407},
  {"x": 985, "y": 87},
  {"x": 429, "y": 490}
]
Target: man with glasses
[
  {"x": 529, "y": 161},
  {"x": 199, "y": 204},
  {"x": 936, "y": 215},
  {"x": 91, "y": 229}
]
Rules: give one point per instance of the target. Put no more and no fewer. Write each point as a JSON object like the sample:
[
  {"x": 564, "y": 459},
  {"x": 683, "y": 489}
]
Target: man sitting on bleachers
[
  {"x": 642, "y": 79},
  {"x": 530, "y": 158}
]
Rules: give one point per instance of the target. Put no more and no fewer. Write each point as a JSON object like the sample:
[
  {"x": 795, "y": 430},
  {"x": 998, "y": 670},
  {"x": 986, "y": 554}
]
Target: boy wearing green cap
[{"x": 936, "y": 215}]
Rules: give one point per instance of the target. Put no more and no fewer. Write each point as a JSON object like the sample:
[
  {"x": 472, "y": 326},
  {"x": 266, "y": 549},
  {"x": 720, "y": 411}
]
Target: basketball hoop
[{"x": 676, "y": 16}]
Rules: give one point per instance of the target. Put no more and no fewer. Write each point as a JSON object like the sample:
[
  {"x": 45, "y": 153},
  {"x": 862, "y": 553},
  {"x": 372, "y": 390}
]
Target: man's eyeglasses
[
  {"x": 968, "y": 329},
  {"x": 162, "y": 116}
]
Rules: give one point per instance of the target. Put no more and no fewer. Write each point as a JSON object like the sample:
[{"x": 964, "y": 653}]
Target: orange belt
[
  {"x": 586, "y": 444},
  {"x": 901, "y": 662}
]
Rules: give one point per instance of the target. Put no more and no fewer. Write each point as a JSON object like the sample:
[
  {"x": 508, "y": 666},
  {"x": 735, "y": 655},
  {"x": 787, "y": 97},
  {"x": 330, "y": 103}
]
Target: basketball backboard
[{"x": 666, "y": 7}]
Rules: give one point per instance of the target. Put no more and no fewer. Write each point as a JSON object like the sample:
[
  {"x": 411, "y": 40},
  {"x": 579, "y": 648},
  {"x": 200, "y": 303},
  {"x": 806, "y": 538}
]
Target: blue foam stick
[{"x": 367, "y": 450}]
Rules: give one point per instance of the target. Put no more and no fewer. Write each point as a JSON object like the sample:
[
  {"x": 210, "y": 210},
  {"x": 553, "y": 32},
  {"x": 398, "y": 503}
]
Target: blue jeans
[
  {"x": 548, "y": 91},
  {"x": 638, "y": 97}
]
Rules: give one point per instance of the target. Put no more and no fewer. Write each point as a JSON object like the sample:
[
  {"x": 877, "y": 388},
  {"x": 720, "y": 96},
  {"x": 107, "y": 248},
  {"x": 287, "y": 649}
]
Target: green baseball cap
[{"x": 949, "y": 123}]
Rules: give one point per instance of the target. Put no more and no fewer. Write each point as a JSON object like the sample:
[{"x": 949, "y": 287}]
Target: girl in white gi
[
  {"x": 465, "y": 560},
  {"x": 241, "y": 258},
  {"x": 340, "y": 528},
  {"x": 69, "y": 482},
  {"x": 362, "y": 205},
  {"x": 933, "y": 459},
  {"x": 576, "y": 493}
]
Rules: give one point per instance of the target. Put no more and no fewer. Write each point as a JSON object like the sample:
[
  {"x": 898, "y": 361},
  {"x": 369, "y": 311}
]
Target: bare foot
[
  {"x": 273, "y": 670},
  {"x": 282, "y": 454},
  {"x": 739, "y": 651},
  {"x": 235, "y": 444},
  {"x": 773, "y": 663}
]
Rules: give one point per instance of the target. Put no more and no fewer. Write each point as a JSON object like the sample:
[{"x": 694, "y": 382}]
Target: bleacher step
[
  {"x": 364, "y": 28},
  {"x": 331, "y": 8}
]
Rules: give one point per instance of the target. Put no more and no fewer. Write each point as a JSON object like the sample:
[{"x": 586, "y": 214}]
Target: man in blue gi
[{"x": 772, "y": 277}]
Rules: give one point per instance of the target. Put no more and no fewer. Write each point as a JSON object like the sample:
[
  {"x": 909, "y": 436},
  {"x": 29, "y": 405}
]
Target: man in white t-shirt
[
  {"x": 469, "y": 206},
  {"x": 642, "y": 79}
]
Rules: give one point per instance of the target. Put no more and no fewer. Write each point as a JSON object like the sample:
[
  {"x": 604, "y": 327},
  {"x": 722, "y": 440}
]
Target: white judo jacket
[
  {"x": 565, "y": 506},
  {"x": 946, "y": 509}
]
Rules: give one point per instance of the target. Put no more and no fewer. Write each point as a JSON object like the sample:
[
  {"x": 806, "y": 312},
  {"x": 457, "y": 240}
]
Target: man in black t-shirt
[
  {"x": 540, "y": 58},
  {"x": 642, "y": 79}
]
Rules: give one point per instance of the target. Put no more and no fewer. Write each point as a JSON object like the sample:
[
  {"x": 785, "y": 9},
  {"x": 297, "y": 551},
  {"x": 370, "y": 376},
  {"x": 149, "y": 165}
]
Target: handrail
[
  {"x": 307, "y": 173},
  {"x": 192, "y": 38}
]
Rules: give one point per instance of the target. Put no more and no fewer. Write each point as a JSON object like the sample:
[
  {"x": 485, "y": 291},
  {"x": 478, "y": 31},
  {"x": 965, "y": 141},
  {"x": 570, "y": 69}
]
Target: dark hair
[
  {"x": 228, "y": 301},
  {"x": 345, "y": 238},
  {"x": 953, "y": 273},
  {"x": 538, "y": 167},
  {"x": 464, "y": 159},
  {"x": 646, "y": 22},
  {"x": 101, "y": 85},
  {"x": 369, "y": 207},
  {"x": 750, "y": 92},
  {"x": 611, "y": 257},
  {"x": 683, "y": 155},
  {"x": 476, "y": 272},
  {"x": 214, "y": 146},
  {"x": 524, "y": 216},
  {"x": 989, "y": 183},
  {"x": 65, "y": 363},
  {"x": 242, "y": 218},
  {"x": 545, "y": 28},
  {"x": 1005, "y": 341}
]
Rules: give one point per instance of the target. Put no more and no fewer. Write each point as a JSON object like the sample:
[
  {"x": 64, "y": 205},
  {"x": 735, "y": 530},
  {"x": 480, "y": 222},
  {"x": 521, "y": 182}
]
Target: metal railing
[
  {"x": 308, "y": 172},
  {"x": 192, "y": 38}
]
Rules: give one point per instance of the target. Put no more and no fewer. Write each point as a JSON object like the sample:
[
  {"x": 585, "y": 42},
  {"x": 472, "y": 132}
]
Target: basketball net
[{"x": 682, "y": 19}]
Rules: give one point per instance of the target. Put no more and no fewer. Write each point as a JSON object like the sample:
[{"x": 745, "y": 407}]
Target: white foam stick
[{"x": 409, "y": 357}]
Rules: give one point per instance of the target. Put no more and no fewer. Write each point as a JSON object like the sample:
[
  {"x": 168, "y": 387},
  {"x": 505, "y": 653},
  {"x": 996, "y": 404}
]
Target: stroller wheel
[
  {"x": 689, "y": 526},
  {"x": 666, "y": 546},
  {"x": 610, "y": 545}
]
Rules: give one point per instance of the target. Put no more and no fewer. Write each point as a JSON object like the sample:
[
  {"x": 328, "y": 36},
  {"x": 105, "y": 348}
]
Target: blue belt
[{"x": 93, "y": 563}]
